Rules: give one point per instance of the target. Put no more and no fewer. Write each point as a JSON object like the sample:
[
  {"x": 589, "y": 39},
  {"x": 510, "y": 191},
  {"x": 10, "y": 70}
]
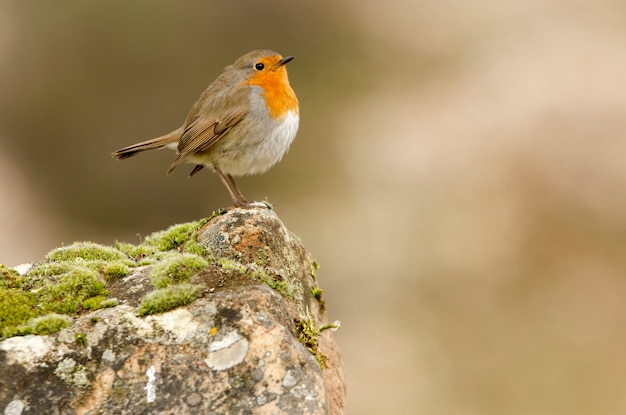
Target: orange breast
[{"x": 279, "y": 97}]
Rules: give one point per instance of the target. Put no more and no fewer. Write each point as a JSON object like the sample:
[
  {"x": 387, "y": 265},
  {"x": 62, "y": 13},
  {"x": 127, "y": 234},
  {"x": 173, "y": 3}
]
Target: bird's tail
[{"x": 167, "y": 140}]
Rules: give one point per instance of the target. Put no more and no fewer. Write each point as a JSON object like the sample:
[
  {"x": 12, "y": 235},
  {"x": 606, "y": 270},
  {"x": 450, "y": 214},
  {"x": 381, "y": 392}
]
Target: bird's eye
[{"x": 259, "y": 66}]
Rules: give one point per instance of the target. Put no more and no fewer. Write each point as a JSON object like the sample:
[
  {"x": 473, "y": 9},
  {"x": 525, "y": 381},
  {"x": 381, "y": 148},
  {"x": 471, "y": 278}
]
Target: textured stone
[{"x": 234, "y": 350}]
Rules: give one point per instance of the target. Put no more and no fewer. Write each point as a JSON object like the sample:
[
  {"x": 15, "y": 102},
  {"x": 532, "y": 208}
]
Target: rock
[{"x": 249, "y": 338}]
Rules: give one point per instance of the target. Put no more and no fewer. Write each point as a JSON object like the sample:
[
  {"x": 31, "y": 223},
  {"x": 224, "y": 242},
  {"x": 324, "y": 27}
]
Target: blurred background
[{"x": 459, "y": 174}]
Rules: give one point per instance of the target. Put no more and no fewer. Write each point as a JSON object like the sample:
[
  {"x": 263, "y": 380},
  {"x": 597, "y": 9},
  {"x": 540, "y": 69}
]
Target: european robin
[{"x": 242, "y": 124}]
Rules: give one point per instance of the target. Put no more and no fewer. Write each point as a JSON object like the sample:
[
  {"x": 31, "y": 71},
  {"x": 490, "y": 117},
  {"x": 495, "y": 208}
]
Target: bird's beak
[{"x": 285, "y": 60}]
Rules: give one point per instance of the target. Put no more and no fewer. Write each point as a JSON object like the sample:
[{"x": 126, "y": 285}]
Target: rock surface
[{"x": 253, "y": 342}]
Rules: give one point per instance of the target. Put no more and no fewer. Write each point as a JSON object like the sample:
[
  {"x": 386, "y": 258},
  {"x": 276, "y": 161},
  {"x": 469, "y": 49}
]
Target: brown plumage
[{"x": 243, "y": 123}]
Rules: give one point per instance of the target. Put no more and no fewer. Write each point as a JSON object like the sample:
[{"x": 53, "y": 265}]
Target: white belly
[{"x": 240, "y": 154}]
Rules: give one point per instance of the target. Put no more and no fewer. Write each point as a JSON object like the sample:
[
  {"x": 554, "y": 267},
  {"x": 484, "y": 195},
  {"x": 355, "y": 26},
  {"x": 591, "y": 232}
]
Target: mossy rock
[{"x": 74, "y": 278}]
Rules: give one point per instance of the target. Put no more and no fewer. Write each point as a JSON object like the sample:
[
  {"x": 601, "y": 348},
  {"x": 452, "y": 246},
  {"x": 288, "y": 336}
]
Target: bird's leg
[
  {"x": 236, "y": 201},
  {"x": 241, "y": 196}
]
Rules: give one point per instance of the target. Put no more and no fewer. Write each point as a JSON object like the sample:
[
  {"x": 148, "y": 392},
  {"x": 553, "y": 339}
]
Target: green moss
[
  {"x": 231, "y": 265},
  {"x": 16, "y": 307},
  {"x": 109, "y": 302},
  {"x": 72, "y": 288},
  {"x": 9, "y": 278},
  {"x": 93, "y": 303},
  {"x": 141, "y": 254},
  {"x": 110, "y": 262},
  {"x": 316, "y": 293},
  {"x": 80, "y": 338},
  {"x": 275, "y": 282},
  {"x": 50, "y": 287},
  {"x": 313, "y": 267},
  {"x": 86, "y": 251},
  {"x": 308, "y": 335},
  {"x": 41, "y": 274},
  {"x": 49, "y": 269},
  {"x": 216, "y": 213},
  {"x": 177, "y": 269},
  {"x": 21, "y": 330},
  {"x": 73, "y": 278},
  {"x": 115, "y": 270},
  {"x": 175, "y": 236},
  {"x": 168, "y": 298},
  {"x": 192, "y": 246},
  {"x": 48, "y": 324}
]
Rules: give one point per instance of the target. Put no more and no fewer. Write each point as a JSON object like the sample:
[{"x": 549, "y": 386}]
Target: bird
[{"x": 242, "y": 124}]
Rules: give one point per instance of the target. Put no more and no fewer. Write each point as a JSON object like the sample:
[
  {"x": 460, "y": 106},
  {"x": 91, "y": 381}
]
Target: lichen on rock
[{"x": 214, "y": 316}]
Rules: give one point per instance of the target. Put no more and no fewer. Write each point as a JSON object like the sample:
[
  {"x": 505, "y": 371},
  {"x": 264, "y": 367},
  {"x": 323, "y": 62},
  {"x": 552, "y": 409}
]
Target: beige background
[{"x": 459, "y": 174}]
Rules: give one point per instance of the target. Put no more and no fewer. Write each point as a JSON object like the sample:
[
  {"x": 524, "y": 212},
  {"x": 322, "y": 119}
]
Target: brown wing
[{"x": 205, "y": 126}]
